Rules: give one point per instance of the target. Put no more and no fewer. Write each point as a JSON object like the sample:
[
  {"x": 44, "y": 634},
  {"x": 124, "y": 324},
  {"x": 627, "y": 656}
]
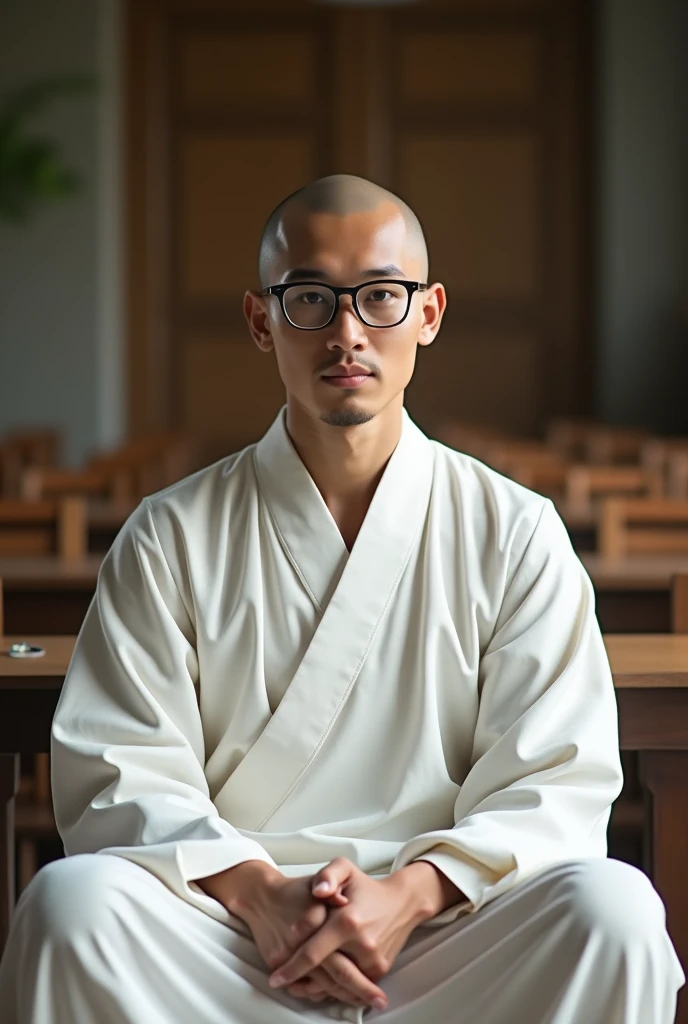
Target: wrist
[
  {"x": 427, "y": 890},
  {"x": 237, "y": 888}
]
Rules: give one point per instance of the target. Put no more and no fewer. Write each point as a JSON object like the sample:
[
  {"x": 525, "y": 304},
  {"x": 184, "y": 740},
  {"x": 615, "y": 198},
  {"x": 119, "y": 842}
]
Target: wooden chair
[
  {"x": 40, "y": 483},
  {"x": 568, "y": 435},
  {"x": 20, "y": 451},
  {"x": 544, "y": 476},
  {"x": 613, "y": 445},
  {"x": 677, "y": 475},
  {"x": 43, "y": 527},
  {"x": 504, "y": 452},
  {"x": 147, "y": 464},
  {"x": 656, "y": 451},
  {"x": 36, "y": 447},
  {"x": 530, "y": 463},
  {"x": 668, "y": 456},
  {"x": 648, "y": 526},
  {"x": 10, "y": 471},
  {"x": 584, "y": 484},
  {"x": 679, "y": 603}
]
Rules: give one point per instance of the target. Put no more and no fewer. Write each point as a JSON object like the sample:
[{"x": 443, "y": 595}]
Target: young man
[{"x": 339, "y": 735}]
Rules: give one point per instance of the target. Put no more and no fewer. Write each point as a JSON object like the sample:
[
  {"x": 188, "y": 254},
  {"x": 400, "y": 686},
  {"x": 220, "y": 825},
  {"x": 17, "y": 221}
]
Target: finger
[
  {"x": 323, "y": 988},
  {"x": 309, "y": 922},
  {"x": 332, "y": 877},
  {"x": 346, "y": 974},
  {"x": 336, "y": 990},
  {"x": 308, "y": 956},
  {"x": 308, "y": 990},
  {"x": 337, "y": 899}
]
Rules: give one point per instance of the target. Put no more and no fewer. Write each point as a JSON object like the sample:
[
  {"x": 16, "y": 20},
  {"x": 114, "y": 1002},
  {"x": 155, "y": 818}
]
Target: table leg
[
  {"x": 665, "y": 774},
  {"x": 9, "y": 785}
]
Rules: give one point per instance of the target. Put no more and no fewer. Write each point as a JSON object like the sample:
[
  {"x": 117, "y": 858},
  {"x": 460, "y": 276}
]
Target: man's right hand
[{"x": 281, "y": 914}]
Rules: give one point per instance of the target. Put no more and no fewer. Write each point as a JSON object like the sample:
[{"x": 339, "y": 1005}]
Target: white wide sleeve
[
  {"x": 127, "y": 740},
  {"x": 545, "y": 765}
]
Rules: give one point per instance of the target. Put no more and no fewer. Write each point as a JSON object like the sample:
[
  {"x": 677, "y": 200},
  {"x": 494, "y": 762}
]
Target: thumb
[{"x": 330, "y": 880}]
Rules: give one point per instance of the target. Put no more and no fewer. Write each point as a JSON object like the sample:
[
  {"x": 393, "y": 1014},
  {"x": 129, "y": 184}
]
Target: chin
[{"x": 346, "y": 417}]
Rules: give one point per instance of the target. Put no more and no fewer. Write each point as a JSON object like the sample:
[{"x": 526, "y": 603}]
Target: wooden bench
[
  {"x": 569, "y": 436},
  {"x": 22, "y": 449},
  {"x": 148, "y": 464},
  {"x": 607, "y": 445},
  {"x": 39, "y": 483},
  {"x": 43, "y": 527},
  {"x": 587, "y": 484},
  {"x": 647, "y": 526}
]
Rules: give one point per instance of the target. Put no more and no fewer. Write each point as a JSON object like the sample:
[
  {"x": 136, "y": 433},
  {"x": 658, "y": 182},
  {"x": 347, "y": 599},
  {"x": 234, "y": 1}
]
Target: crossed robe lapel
[
  {"x": 303, "y": 522},
  {"x": 292, "y": 737}
]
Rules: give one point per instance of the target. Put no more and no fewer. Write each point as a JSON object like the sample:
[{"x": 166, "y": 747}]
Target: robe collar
[{"x": 305, "y": 526}]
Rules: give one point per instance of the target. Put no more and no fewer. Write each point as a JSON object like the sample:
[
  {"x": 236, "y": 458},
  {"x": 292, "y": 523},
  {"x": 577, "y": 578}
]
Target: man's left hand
[{"x": 370, "y": 928}]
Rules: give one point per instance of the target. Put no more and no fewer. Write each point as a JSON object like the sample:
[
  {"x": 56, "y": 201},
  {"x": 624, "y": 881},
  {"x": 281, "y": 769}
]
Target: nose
[{"x": 349, "y": 331}]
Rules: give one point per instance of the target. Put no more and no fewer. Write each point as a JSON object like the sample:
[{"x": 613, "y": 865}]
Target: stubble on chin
[{"x": 346, "y": 417}]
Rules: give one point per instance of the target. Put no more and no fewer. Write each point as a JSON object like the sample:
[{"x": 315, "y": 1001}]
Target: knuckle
[
  {"x": 274, "y": 958},
  {"x": 381, "y": 964},
  {"x": 343, "y": 969},
  {"x": 351, "y": 921},
  {"x": 315, "y": 916},
  {"x": 368, "y": 944}
]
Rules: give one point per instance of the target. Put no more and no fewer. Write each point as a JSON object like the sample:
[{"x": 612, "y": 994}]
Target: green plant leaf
[{"x": 32, "y": 170}]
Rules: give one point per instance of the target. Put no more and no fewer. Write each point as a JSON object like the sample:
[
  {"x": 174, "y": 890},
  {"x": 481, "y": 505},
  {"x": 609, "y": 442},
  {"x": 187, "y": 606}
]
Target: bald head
[{"x": 340, "y": 195}]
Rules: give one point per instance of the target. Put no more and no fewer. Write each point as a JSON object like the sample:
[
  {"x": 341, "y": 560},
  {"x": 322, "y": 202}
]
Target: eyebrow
[{"x": 311, "y": 274}]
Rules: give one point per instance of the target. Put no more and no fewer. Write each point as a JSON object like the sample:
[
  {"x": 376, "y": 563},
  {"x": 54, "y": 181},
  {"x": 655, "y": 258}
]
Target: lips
[
  {"x": 348, "y": 371},
  {"x": 347, "y": 378}
]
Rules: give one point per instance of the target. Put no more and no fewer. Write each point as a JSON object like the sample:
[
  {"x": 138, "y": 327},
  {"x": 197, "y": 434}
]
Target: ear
[
  {"x": 256, "y": 313},
  {"x": 434, "y": 305}
]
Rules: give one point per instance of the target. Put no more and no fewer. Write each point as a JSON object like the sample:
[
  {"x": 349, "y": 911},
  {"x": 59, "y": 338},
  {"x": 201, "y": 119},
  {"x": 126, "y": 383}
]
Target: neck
[{"x": 346, "y": 463}]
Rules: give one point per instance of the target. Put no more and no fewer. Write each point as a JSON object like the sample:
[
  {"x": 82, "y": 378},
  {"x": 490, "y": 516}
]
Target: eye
[
  {"x": 380, "y": 294},
  {"x": 310, "y": 298}
]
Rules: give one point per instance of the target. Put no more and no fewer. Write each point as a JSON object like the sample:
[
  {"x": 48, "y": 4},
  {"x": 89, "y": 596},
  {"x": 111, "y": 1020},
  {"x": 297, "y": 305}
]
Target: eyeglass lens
[{"x": 380, "y": 305}]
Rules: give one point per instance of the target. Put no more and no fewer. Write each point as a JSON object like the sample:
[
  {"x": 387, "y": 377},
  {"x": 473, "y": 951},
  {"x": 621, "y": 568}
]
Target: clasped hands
[{"x": 336, "y": 934}]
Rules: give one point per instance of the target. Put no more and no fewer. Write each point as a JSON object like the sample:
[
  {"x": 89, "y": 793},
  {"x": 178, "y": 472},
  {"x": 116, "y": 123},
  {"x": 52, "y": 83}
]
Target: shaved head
[{"x": 339, "y": 195}]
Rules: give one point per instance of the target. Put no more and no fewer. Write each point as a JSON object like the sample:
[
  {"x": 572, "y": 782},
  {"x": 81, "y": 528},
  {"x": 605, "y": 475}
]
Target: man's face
[{"x": 316, "y": 365}]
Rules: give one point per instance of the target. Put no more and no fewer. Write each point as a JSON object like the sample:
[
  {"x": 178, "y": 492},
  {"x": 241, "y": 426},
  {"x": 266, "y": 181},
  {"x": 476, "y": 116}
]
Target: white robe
[{"x": 244, "y": 688}]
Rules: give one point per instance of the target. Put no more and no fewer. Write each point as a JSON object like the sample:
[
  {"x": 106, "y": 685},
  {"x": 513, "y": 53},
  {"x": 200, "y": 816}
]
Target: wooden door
[{"x": 476, "y": 112}]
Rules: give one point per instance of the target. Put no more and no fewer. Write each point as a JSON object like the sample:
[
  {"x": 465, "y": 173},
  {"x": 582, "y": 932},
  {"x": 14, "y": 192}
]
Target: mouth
[{"x": 350, "y": 377}]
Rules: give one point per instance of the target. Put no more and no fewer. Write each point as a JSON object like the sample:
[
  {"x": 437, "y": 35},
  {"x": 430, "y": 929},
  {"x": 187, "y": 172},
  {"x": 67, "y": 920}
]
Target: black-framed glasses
[{"x": 310, "y": 306}]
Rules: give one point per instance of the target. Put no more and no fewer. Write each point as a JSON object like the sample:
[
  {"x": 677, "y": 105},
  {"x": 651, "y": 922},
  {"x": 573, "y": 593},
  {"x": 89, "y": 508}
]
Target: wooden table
[
  {"x": 634, "y": 593},
  {"x": 651, "y": 680},
  {"x": 47, "y": 595}
]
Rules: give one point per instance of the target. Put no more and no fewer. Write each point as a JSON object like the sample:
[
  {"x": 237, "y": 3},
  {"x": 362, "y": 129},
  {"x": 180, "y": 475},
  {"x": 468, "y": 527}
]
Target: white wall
[
  {"x": 60, "y": 289},
  {"x": 643, "y": 213}
]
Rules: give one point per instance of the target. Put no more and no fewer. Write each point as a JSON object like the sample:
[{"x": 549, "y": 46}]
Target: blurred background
[{"x": 543, "y": 143}]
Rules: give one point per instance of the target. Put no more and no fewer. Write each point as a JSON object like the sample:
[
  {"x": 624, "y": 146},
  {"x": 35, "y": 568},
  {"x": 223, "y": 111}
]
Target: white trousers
[{"x": 99, "y": 940}]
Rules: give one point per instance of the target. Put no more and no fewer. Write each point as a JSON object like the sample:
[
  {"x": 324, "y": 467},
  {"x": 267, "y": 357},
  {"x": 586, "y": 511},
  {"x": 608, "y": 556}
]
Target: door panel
[{"x": 476, "y": 112}]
